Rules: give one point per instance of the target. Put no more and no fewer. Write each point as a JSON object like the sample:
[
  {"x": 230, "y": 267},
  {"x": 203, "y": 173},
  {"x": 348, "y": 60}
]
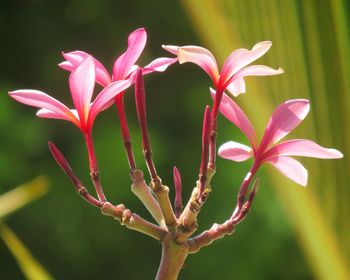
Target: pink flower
[
  {"x": 124, "y": 65},
  {"x": 284, "y": 119},
  {"x": 81, "y": 83},
  {"x": 234, "y": 70}
]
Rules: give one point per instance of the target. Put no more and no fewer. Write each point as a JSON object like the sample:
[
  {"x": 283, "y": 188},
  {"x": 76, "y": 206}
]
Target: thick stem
[
  {"x": 143, "y": 192},
  {"x": 133, "y": 221},
  {"x": 207, "y": 237},
  {"x": 173, "y": 258},
  {"x": 162, "y": 194},
  {"x": 188, "y": 219}
]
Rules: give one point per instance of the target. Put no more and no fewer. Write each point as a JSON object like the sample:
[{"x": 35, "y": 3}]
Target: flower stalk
[
  {"x": 160, "y": 191},
  {"x": 205, "y": 155},
  {"x": 125, "y": 133},
  {"x": 94, "y": 171}
]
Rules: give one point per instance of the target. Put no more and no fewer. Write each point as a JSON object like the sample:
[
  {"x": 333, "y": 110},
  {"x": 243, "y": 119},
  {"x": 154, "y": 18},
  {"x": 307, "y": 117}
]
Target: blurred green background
[{"x": 292, "y": 233}]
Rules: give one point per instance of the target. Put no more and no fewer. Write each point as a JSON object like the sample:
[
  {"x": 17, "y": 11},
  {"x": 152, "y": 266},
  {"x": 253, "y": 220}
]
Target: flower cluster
[{"x": 176, "y": 225}]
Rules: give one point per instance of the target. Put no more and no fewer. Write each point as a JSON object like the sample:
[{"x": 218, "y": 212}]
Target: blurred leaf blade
[
  {"x": 30, "y": 267},
  {"x": 22, "y": 195},
  {"x": 232, "y": 22}
]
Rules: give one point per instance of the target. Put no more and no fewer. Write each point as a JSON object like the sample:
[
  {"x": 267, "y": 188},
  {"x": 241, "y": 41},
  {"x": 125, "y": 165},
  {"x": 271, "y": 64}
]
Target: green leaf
[
  {"x": 22, "y": 195},
  {"x": 314, "y": 52},
  {"x": 28, "y": 264}
]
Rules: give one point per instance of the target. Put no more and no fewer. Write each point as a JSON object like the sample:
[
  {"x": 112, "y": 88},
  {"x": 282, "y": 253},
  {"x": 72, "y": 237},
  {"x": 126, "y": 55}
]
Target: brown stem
[{"x": 173, "y": 258}]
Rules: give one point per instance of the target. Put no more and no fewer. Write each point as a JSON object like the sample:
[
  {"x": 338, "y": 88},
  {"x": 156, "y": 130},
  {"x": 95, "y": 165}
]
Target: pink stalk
[
  {"x": 94, "y": 172},
  {"x": 241, "y": 196},
  {"x": 141, "y": 114},
  {"x": 247, "y": 205},
  {"x": 205, "y": 151},
  {"x": 213, "y": 132},
  {"x": 125, "y": 133},
  {"x": 63, "y": 163},
  {"x": 178, "y": 192}
]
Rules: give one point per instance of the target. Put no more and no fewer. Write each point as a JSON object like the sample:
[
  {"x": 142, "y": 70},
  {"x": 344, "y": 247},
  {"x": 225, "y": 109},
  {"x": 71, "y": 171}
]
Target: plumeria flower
[
  {"x": 285, "y": 118},
  {"x": 124, "y": 65},
  {"x": 234, "y": 69},
  {"x": 81, "y": 83}
]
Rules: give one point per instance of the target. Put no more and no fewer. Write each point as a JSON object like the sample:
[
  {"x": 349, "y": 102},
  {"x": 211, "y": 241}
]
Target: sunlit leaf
[
  {"x": 28, "y": 264},
  {"x": 312, "y": 44},
  {"x": 22, "y": 195}
]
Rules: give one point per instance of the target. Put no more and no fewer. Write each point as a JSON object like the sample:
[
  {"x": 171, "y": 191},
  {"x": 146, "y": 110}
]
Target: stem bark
[{"x": 173, "y": 258}]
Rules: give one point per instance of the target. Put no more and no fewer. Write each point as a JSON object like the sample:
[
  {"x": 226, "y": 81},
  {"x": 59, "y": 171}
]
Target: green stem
[{"x": 143, "y": 192}]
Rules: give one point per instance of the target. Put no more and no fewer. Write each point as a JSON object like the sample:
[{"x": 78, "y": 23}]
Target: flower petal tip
[
  {"x": 64, "y": 64},
  {"x": 16, "y": 93},
  {"x": 170, "y": 48},
  {"x": 266, "y": 44},
  {"x": 337, "y": 154},
  {"x": 141, "y": 29}
]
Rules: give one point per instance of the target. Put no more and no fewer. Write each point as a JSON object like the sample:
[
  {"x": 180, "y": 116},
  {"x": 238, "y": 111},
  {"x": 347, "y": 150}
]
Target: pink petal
[
  {"x": 158, "y": 65},
  {"x": 74, "y": 59},
  {"x": 291, "y": 168},
  {"x": 40, "y": 99},
  {"x": 136, "y": 44},
  {"x": 45, "y": 113},
  {"x": 200, "y": 56},
  {"x": 171, "y": 49},
  {"x": 236, "y": 87},
  {"x": 240, "y": 58},
  {"x": 66, "y": 65},
  {"x": 81, "y": 83},
  {"x": 284, "y": 119},
  {"x": 234, "y": 113},
  {"x": 235, "y": 151},
  {"x": 258, "y": 70},
  {"x": 302, "y": 147},
  {"x": 107, "y": 95},
  {"x": 236, "y": 83}
]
